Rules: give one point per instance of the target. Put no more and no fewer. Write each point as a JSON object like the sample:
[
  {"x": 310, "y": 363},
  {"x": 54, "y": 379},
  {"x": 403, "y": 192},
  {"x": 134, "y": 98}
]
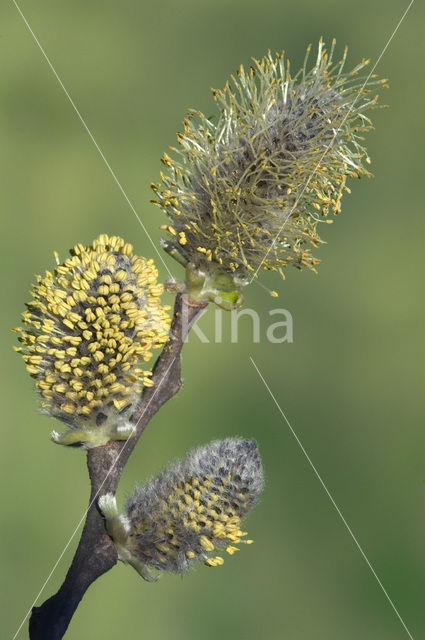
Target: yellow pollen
[
  {"x": 76, "y": 329},
  {"x": 206, "y": 543}
]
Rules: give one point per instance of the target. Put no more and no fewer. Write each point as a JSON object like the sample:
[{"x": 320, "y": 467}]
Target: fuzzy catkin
[
  {"x": 90, "y": 325},
  {"x": 191, "y": 509},
  {"x": 248, "y": 190}
]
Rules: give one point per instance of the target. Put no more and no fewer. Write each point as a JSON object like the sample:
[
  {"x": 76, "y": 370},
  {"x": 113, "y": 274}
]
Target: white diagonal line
[
  {"x": 347, "y": 526},
  {"x": 83, "y": 122},
  {"x": 331, "y": 142},
  {"x": 93, "y": 500}
]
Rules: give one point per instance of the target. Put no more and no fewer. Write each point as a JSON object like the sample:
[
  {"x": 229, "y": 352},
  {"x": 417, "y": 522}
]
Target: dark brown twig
[{"x": 96, "y": 554}]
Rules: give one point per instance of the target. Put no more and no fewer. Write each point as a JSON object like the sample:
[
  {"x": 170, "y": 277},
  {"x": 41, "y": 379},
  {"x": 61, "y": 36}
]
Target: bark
[{"x": 96, "y": 554}]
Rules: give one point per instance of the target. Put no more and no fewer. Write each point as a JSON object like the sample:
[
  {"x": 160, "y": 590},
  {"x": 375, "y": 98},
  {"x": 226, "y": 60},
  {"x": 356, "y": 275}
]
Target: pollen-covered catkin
[
  {"x": 190, "y": 511},
  {"x": 90, "y": 325},
  {"x": 248, "y": 189}
]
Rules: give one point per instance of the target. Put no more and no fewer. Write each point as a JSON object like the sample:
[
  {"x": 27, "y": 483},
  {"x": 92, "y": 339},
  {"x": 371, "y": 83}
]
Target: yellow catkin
[
  {"x": 97, "y": 306},
  {"x": 248, "y": 189}
]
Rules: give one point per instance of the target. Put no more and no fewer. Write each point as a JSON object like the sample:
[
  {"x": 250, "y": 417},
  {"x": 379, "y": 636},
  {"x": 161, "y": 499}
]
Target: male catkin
[{"x": 249, "y": 189}]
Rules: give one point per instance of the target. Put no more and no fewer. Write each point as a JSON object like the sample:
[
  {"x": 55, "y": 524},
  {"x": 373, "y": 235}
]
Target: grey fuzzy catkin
[
  {"x": 248, "y": 190},
  {"x": 190, "y": 509}
]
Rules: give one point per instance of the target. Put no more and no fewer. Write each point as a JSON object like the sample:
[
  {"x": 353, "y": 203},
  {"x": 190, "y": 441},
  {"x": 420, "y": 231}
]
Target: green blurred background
[{"x": 351, "y": 383}]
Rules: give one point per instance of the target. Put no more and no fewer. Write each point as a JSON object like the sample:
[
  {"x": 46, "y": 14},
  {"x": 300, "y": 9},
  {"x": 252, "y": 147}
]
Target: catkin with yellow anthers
[
  {"x": 191, "y": 510},
  {"x": 249, "y": 189},
  {"x": 87, "y": 329}
]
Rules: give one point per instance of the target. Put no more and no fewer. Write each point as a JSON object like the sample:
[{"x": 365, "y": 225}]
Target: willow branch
[{"x": 96, "y": 554}]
